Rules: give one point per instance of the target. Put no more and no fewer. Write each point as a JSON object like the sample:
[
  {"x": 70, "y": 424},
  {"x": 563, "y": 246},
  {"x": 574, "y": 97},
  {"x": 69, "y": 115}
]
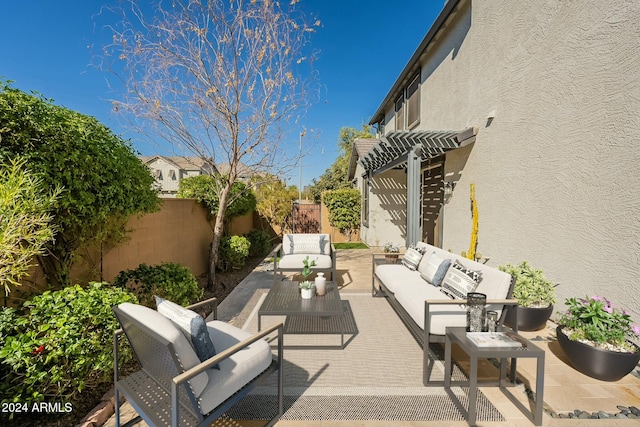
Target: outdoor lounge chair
[
  {"x": 174, "y": 388},
  {"x": 294, "y": 248}
]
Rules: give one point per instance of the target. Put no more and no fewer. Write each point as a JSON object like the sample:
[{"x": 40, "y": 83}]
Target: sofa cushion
[
  {"x": 411, "y": 258},
  {"x": 432, "y": 268},
  {"x": 191, "y": 324},
  {"x": 412, "y": 298},
  {"x": 291, "y": 262},
  {"x": 457, "y": 283},
  {"x": 167, "y": 329},
  {"x": 235, "y": 371},
  {"x": 394, "y": 276}
]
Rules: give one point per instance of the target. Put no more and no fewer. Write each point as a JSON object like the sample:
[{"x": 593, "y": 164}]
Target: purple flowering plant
[{"x": 595, "y": 320}]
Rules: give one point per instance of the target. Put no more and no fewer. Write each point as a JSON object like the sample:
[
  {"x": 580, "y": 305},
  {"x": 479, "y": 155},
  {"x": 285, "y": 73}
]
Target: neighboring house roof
[
  {"x": 414, "y": 63},
  {"x": 359, "y": 149},
  {"x": 180, "y": 162},
  {"x": 244, "y": 171}
]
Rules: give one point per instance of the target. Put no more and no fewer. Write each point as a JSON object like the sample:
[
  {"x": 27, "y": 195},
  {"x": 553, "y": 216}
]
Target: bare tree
[{"x": 217, "y": 79}]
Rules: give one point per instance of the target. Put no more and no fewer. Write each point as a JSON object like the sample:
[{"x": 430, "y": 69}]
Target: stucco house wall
[{"x": 557, "y": 169}]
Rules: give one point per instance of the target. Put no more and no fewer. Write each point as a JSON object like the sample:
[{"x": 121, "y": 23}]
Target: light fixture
[{"x": 448, "y": 187}]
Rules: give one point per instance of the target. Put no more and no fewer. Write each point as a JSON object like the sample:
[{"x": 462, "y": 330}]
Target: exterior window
[
  {"x": 400, "y": 113},
  {"x": 413, "y": 102},
  {"x": 365, "y": 200},
  {"x": 172, "y": 175},
  {"x": 158, "y": 174}
]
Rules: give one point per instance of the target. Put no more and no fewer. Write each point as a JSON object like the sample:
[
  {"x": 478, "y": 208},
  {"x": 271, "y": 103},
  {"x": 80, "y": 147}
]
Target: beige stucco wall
[
  {"x": 557, "y": 172},
  {"x": 387, "y": 208}
]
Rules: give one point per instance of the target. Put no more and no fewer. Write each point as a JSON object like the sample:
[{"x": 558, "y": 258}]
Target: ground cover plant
[{"x": 56, "y": 346}]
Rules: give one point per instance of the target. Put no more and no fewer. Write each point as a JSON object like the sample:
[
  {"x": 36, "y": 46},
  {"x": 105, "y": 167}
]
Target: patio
[{"x": 321, "y": 372}]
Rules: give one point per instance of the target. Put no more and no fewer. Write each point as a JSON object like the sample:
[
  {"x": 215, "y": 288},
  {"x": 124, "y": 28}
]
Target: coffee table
[
  {"x": 319, "y": 315},
  {"x": 458, "y": 335}
]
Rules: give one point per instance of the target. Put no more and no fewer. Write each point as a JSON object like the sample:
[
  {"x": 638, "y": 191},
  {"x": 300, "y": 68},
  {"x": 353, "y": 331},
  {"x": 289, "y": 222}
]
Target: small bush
[
  {"x": 260, "y": 242},
  {"x": 61, "y": 345},
  {"x": 233, "y": 251},
  {"x": 168, "y": 280}
]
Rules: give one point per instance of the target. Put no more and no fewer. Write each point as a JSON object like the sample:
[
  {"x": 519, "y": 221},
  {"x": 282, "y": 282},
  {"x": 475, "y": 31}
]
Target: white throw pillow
[
  {"x": 428, "y": 266},
  {"x": 411, "y": 259}
]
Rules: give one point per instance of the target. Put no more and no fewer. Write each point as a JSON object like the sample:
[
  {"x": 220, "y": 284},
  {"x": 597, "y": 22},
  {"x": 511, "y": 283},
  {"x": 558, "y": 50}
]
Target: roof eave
[{"x": 448, "y": 8}]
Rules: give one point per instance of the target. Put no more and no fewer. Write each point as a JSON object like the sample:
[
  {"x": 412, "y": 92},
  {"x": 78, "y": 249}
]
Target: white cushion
[
  {"x": 164, "y": 327},
  {"x": 323, "y": 262},
  {"x": 235, "y": 371},
  {"x": 411, "y": 259},
  {"x": 429, "y": 266},
  {"x": 395, "y": 276},
  {"x": 412, "y": 298}
]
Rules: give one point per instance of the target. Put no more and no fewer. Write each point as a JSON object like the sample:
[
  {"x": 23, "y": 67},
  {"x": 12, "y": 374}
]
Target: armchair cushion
[
  {"x": 191, "y": 324},
  {"x": 294, "y": 262},
  {"x": 169, "y": 331},
  {"x": 235, "y": 371}
]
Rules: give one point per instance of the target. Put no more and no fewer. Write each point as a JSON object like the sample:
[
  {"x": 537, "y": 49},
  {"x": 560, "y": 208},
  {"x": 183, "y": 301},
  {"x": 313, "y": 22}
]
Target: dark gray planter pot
[
  {"x": 529, "y": 318},
  {"x": 597, "y": 363}
]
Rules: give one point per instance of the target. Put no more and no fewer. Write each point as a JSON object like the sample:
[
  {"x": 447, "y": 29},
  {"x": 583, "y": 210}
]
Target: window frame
[
  {"x": 365, "y": 199},
  {"x": 413, "y": 100}
]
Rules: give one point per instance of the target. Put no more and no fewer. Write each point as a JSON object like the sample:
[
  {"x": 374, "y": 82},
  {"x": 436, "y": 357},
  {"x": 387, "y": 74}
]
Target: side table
[{"x": 458, "y": 336}]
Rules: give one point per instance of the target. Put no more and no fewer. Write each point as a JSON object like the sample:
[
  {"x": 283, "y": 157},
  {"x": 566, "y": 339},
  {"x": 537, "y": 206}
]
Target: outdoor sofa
[
  {"x": 429, "y": 293},
  {"x": 289, "y": 254},
  {"x": 175, "y": 386}
]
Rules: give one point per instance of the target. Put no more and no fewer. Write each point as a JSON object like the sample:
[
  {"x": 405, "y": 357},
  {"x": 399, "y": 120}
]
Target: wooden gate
[{"x": 306, "y": 217}]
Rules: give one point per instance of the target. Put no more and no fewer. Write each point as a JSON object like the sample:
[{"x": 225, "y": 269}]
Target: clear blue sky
[{"x": 363, "y": 45}]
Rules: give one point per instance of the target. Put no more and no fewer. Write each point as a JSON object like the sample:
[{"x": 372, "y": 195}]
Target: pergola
[{"x": 408, "y": 149}]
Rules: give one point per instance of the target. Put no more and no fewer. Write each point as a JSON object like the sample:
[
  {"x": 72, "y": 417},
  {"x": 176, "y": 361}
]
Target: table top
[
  {"x": 459, "y": 336},
  {"x": 284, "y": 299}
]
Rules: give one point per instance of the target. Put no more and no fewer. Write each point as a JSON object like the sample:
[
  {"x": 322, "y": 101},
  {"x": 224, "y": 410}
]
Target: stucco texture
[{"x": 557, "y": 169}]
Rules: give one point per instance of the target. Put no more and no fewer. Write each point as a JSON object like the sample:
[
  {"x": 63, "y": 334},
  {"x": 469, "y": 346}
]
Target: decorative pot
[
  {"x": 307, "y": 293},
  {"x": 321, "y": 284},
  {"x": 391, "y": 258},
  {"x": 529, "y": 318},
  {"x": 605, "y": 365}
]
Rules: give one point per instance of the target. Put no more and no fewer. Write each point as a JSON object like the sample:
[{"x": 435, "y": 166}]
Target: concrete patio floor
[{"x": 565, "y": 389}]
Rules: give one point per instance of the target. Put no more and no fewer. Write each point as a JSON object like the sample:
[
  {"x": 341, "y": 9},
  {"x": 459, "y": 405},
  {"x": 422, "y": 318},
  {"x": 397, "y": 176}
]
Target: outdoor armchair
[
  {"x": 173, "y": 387},
  {"x": 289, "y": 254}
]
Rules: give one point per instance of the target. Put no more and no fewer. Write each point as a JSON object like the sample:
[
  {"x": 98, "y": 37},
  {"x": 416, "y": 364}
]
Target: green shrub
[
  {"x": 234, "y": 251},
  {"x": 260, "y": 242},
  {"x": 61, "y": 345},
  {"x": 168, "y": 280}
]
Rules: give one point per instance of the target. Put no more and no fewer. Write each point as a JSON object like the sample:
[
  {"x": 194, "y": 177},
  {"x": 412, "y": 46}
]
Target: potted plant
[
  {"x": 391, "y": 252},
  {"x": 307, "y": 288},
  {"x": 535, "y": 294},
  {"x": 594, "y": 336}
]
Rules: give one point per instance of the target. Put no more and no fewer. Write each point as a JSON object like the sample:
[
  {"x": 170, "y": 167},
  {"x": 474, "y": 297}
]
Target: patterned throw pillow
[
  {"x": 192, "y": 325},
  {"x": 411, "y": 259},
  {"x": 306, "y": 244},
  {"x": 475, "y": 275},
  {"x": 458, "y": 283}
]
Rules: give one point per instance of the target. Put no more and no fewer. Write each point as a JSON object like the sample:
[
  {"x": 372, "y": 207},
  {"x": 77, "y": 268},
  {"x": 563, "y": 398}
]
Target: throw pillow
[
  {"x": 428, "y": 266},
  {"x": 438, "y": 277},
  {"x": 457, "y": 284},
  {"x": 411, "y": 259},
  {"x": 475, "y": 275},
  {"x": 191, "y": 324},
  {"x": 312, "y": 244}
]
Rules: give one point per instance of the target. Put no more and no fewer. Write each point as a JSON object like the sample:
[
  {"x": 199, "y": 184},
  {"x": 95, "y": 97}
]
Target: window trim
[
  {"x": 399, "y": 112},
  {"x": 408, "y": 101},
  {"x": 365, "y": 200}
]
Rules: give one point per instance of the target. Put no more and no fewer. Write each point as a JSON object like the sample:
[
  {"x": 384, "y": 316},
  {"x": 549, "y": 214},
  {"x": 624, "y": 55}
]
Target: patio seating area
[{"x": 380, "y": 370}]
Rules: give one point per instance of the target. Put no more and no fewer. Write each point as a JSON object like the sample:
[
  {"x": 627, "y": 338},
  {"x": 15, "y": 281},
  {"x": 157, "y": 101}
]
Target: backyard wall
[{"x": 336, "y": 236}]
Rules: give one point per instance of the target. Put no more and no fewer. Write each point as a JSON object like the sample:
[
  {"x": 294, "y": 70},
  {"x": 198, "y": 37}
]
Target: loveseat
[
  {"x": 428, "y": 288},
  {"x": 289, "y": 254}
]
